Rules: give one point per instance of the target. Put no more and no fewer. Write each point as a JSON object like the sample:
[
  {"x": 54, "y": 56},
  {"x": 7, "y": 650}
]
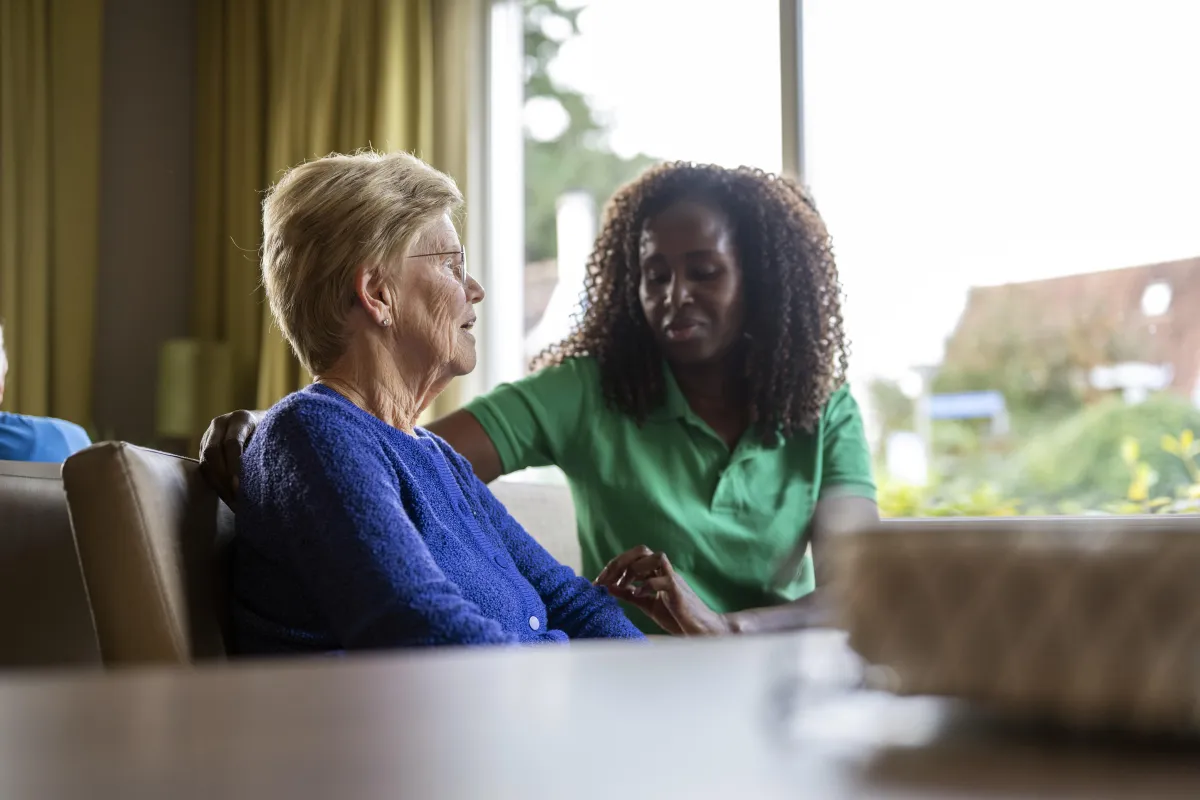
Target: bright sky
[
  {"x": 682, "y": 79},
  {"x": 950, "y": 143}
]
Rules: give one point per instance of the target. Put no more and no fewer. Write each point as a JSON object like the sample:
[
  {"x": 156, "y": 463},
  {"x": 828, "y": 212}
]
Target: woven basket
[{"x": 1091, "y": 622}]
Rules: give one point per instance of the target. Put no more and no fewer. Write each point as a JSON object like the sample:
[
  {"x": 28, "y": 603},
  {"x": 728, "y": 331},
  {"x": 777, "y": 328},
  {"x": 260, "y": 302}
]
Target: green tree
[{"x": 579, "y": 158}]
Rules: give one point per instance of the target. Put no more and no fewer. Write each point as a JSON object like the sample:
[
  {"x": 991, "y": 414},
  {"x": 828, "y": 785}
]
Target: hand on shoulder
[{"x": 221, "y": 451}]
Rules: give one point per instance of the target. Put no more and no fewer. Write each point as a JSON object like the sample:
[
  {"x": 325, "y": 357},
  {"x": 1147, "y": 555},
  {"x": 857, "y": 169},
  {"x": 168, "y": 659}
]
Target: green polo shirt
[{"x": 725, "y": 519}]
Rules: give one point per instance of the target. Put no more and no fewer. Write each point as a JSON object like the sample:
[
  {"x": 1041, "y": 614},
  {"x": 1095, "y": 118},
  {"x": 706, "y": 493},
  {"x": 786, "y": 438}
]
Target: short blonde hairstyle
[{"x": 323, "y": 220}]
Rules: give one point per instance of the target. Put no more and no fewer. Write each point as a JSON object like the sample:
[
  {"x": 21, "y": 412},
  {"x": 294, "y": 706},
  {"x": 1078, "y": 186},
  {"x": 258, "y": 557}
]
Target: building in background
[{"x": 1134, "y": 329}]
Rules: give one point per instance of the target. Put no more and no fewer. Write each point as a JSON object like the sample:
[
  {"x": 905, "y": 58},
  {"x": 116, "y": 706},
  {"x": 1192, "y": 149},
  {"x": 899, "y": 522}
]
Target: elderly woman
[
  {"x": 699, "y": 408},
  {"x": 358, "y": 529}
]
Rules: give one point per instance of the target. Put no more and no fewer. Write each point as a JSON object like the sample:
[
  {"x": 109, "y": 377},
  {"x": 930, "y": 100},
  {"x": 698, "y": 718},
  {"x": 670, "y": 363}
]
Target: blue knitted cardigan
[{"x": 352, "y": 534}]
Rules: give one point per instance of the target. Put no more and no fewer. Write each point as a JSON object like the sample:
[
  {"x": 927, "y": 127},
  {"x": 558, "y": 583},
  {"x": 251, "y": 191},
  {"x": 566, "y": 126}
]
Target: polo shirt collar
[{"x": 675, "y": 407}]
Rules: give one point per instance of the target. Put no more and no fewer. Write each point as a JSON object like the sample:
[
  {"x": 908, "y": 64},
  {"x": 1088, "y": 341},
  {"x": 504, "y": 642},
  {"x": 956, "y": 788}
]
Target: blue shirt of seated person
[
  {"x": 356, "y": 528},
  {"x": 353, "y": 534},
  {"x": 44, "y": 439}
]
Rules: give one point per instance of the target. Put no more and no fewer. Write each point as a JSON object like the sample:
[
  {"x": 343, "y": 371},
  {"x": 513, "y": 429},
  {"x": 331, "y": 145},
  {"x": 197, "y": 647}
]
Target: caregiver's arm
[
  {"x": 517, "y": 425},
  {"x": 227, "y": 436},
  {"x": 532, "y": 422},
  {"x": 462, "y": 431}
]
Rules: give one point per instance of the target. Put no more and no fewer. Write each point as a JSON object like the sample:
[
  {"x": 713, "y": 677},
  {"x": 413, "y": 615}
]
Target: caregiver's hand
[
  {"x": 221, "y": 451},
  {"x": 647, "y": 580}
]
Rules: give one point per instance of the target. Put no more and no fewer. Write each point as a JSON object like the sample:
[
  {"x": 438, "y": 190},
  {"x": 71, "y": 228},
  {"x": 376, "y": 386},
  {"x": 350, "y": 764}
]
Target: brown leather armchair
[{"x": 151, "y": 536}]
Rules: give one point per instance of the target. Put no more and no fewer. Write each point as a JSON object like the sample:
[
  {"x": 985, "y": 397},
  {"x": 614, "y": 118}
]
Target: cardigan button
[{"x": 534, "y": 623}]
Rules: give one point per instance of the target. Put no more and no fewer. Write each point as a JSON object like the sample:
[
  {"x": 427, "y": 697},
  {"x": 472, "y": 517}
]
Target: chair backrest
[
  {"x": 547, "y": 513},
  {"x": 44, "y": 615},
  {"x": 152, "y": 537}
]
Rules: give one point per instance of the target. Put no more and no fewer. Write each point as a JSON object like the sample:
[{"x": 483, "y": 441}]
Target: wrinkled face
[
  {"x": 436, "y": 299},
  {"x": 691, "y": 282}
]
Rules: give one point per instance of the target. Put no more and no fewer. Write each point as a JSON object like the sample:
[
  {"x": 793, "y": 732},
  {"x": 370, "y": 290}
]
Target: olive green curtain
[
  {"x": 50, "y": 67},
  {"x": 457, "y": 79},
  {"x": 280, "y": 81}
]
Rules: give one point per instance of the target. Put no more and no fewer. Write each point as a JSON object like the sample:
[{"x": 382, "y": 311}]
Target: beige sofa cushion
[
  {"x": 44, "y": 615},
  {"x": 151, "y": 534},
  {"x": 547, "y": 512}
]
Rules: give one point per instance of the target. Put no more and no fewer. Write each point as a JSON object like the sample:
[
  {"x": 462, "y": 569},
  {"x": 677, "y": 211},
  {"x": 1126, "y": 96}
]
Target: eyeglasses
[{"x": 455, "y": 261}]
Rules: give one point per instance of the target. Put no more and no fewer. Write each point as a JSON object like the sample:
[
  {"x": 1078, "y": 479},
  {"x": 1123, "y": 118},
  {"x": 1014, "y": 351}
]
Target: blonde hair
[{"x": 323, "y": 220}]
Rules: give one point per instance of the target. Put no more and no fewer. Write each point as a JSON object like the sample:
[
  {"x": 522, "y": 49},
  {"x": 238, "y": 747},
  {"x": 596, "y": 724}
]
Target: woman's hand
[
  {"x": 221, "y": 452},
  {"x": 647, "y": 580}
]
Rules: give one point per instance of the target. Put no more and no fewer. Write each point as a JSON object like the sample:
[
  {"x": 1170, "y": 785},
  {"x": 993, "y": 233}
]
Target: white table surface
[{"x": 674, "y": 719}]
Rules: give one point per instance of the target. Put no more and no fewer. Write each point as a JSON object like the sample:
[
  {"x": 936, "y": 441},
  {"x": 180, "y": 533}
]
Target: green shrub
[
  {"x": 1140, "y": 494},
  {"x": 1079, "y": 462},
  {"x": 985, "y": 500}
]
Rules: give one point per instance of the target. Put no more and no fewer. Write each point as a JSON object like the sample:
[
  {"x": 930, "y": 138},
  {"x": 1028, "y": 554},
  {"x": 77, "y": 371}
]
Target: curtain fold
[
  {"x": 279, "y": 82},
  {"x": 50, "y": 85},
  {"x": 453, "y": 66},
  {"x": 230, "y": 172}
]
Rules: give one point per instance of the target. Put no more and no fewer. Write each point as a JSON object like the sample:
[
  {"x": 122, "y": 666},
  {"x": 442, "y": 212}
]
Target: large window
[
  {"x": 1013, "y": 187},
  {"x": 613, "y": 86}
]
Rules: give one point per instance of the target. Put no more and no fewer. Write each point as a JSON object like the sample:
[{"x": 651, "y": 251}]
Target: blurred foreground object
[{"x": 1089, "y": 622}]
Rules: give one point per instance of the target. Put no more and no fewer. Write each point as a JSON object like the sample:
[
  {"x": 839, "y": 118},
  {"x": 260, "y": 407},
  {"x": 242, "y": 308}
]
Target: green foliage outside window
[
  {"x": 1143, "y": 492},
  {"x": 579, "y": 158}
]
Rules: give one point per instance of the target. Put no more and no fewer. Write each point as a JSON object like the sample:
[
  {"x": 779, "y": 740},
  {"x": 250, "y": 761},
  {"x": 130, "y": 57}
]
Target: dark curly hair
[{"x": 797, "y": 352}]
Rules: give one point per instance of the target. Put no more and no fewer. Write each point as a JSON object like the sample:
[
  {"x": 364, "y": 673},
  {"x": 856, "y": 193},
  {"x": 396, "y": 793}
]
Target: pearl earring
[{"x": 386, "y": 322}]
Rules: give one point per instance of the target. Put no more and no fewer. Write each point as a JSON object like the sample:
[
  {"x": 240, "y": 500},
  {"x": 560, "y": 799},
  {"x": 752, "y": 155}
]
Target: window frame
[
  {"x": 496, "y": 205},
  {"x": 791, "y": 85},
  {"x": 496, "y": 200}
]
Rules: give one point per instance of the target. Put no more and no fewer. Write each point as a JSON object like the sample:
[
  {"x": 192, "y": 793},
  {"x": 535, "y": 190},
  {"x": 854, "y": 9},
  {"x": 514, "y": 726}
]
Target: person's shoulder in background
[{"x": 42, "y": 439}]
